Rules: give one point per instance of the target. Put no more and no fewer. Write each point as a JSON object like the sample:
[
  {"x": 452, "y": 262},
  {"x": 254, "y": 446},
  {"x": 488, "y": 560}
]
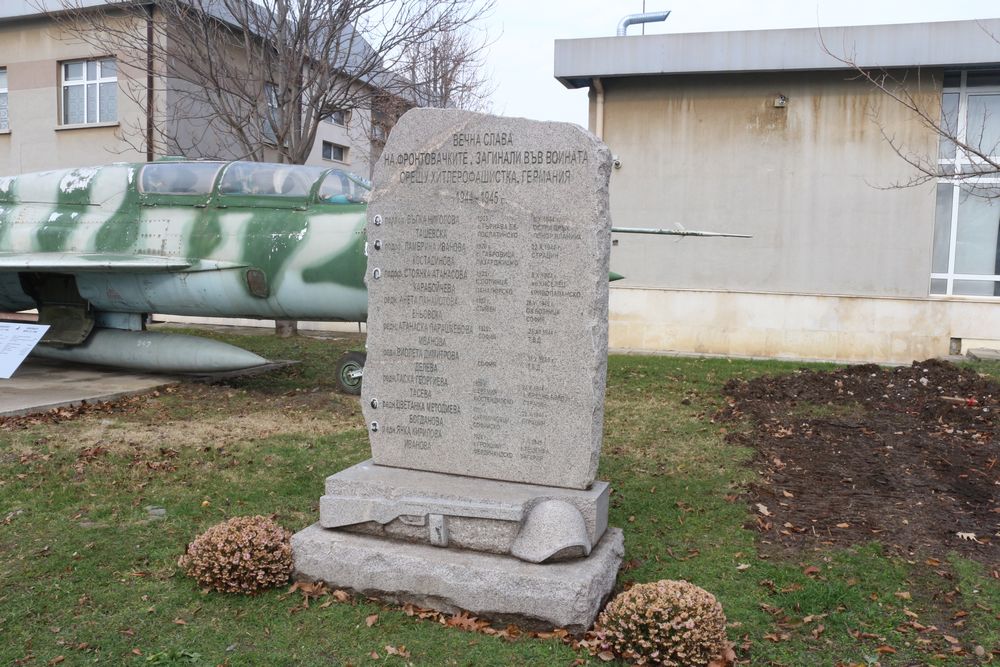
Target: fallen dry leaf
[
  {"x": 969, "y": 537},
  {"x": 371, "y": 620}
]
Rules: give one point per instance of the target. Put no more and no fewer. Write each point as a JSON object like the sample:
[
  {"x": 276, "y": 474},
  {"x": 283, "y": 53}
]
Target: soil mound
[{"x": 906, "y": 456}]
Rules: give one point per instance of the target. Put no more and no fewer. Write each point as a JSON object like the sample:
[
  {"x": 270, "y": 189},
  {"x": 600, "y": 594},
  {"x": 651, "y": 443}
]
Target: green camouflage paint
[
  {"x": 271, "y": 238},
  {"x": 206, "y": 235},
  {"x": 53, "y": 233},
  {"x": 345, "y": 266},
  {"x": 187, "y": 254}
]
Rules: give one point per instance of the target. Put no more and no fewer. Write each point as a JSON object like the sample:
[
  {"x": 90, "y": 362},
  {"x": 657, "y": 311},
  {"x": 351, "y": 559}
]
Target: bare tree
[
  {"x": 262, "y": 74},
  {"x": 448, "y": 69},
  {"x": 970, "y": 142}
]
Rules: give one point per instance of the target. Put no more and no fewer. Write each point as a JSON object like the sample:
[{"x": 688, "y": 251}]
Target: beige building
[
  {"x": 766, "y": 133},
  {"x": 64, "y": 104}
]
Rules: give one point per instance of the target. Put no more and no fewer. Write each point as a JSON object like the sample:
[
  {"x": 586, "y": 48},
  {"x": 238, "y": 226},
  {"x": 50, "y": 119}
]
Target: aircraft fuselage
[{"x": 186, "y": 238}]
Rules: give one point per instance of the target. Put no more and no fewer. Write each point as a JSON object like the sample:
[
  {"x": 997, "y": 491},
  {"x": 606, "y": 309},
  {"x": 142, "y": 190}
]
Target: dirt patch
[
  {"x": 213, "y": 415},
  {"x": 906, "y": 456}
]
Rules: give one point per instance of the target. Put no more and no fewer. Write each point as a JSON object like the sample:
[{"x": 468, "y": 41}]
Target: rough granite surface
[
  {"x": 567, "y": 594},
  {"x": 488, "y": 246},
  {"x": 477, "y": 514}
]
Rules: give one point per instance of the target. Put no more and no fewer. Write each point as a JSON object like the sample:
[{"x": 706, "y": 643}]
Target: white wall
[{"x": 808, "y": 181}]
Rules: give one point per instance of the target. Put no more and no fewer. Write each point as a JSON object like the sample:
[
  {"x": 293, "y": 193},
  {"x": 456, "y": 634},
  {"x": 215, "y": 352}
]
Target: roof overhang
[
  {"x": 939, "y": 44},
  {"x": 15, "y": 10}
]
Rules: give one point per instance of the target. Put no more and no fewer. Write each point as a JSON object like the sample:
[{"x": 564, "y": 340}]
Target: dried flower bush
[
  {"x": 245, "y": 554},
  {"x": 672, "y": 623}
]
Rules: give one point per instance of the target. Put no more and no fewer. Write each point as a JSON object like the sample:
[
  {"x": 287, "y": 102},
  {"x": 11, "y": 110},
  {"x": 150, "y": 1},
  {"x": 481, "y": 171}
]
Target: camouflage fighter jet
[{"x": 97, "y": 250}]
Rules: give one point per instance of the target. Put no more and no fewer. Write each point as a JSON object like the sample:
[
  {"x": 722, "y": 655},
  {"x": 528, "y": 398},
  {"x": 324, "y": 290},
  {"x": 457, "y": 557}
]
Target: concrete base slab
[
  {"x": 566, "y": 594},
  {"x": 954, "y": 358},
  {"x": 532, "y": 522},
  {"x": 983, "y": 354},
  {"x": 40, "y": 385}
]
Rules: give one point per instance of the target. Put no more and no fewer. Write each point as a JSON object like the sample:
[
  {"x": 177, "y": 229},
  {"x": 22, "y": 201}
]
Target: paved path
[{"x": 40, "y": 385}]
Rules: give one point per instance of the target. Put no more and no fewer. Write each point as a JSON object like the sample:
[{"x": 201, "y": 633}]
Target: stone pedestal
[
  {"x": 567, "y": 594},
  {"x": 534, "y": 523},
  {"x": 488, "y": 242}
]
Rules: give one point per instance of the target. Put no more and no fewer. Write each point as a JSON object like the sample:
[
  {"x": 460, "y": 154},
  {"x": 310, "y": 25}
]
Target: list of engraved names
[{"x": 476, "y": 306}]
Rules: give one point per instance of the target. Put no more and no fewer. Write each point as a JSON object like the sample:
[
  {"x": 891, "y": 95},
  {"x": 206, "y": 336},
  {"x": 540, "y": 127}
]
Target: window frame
[
  {"x": 85, "y": 83},
  {"x": 332, "y": 118},
  {"x": 959, "y": 164},
  {"x": 344, "y": 151}
]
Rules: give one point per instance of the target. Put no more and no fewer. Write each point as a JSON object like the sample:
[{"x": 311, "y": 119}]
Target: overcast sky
[{"x": 524, "y": 30}]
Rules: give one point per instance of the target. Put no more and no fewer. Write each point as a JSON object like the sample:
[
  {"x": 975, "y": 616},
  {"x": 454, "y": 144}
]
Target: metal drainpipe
[
  {"x": 632, "y": 19},
  {"x": 599, "y": 114}
]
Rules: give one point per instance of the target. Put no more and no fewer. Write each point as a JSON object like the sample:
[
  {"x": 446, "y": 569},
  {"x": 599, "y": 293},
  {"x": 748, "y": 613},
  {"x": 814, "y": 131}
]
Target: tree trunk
[{"x": 286, "y": 328}]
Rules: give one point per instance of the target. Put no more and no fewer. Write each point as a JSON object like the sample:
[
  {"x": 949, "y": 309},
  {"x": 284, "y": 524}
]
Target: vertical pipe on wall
[{"x": 599, "y": 114}]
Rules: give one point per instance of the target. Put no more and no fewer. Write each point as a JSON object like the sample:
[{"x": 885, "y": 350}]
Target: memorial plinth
[{"x": 483, "y": 393}]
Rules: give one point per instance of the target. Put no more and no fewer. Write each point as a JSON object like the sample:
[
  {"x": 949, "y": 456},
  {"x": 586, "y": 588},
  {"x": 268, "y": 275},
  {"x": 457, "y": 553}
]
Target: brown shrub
[
  {"x": 245, "y": 554},
  {"x": 672, "y": 623}
]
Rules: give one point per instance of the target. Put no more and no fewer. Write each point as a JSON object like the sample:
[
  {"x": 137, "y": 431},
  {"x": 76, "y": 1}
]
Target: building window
[
  {"x": 4, "y": 118},
  {"x": 338, "y": 117},
  {"x": 89, "y": 91},
  {"x": 334, "y": 152},
  {"x": 966, "y": 249}
]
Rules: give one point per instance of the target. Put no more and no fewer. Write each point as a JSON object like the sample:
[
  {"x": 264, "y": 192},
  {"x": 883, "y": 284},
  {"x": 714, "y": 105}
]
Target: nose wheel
[{"x": 350, "y": 368}]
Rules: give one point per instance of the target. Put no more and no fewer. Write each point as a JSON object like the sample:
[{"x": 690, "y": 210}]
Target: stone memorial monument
[{"x": 483, "y": 395}]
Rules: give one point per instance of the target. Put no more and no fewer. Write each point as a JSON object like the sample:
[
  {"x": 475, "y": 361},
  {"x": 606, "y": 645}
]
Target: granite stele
[{"x": 488, "y": 242}]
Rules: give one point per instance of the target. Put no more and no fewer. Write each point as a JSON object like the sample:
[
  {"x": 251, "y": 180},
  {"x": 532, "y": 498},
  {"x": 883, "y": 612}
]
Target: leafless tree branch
[
  {"x": 262, "y": 74},
  {"x": 978, "y": 159}
]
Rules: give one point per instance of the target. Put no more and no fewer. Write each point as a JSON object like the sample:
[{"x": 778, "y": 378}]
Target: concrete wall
[
  {"x": 839, "y": 264},
  {"x": 712, "y": 152},
  {"x": 32, "y": 52},
  {"x": 797, "y": 326}
]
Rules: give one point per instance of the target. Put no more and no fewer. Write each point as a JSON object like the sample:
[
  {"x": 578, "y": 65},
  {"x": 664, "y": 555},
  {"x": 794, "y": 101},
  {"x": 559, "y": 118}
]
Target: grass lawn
[{"x": 88, "y": 574}]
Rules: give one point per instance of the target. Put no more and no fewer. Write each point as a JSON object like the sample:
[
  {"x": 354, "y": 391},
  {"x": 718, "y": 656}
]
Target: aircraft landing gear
[{"x": 350, "y": 368}]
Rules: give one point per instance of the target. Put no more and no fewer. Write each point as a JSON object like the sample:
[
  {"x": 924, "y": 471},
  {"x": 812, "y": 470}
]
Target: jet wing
[{"x": 106, "y": 263}]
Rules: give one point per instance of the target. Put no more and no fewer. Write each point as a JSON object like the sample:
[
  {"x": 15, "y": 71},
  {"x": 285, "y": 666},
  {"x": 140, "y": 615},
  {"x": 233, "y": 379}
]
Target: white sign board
[{"x": 17, "y": 340}]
